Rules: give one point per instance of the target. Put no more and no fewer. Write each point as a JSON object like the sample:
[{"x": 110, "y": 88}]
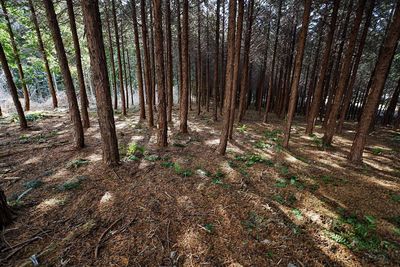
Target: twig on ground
[{"x": 96, "y": 251}]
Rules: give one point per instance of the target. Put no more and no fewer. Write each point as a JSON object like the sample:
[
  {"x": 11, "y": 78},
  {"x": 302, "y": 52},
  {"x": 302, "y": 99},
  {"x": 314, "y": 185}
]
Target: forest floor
[{"x": 260, "y": 205}]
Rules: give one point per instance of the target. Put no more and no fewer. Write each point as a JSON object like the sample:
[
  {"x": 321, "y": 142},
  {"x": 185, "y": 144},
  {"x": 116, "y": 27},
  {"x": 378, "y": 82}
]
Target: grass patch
[
  {"x": 181, "y": 171},
  {"x": 167, "y": 164},
  {"x": 242, "y": 128},
  {"x": 377, "y": 151},
  {"x": 33, "y": 184},
  {"x": 77, "y": 163},
  {"x": 72, "y": 184},
  {"x": 134, "y": 149},
  {"x": 31, "y": 116},
  {"x": 395, "y": 197}
]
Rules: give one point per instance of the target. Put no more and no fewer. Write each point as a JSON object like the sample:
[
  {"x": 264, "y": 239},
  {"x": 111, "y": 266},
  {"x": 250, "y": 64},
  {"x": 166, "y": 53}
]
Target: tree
[
  {"x": 120, "y": 70},
  {"x": 13, "y": 89},
  {"x": 169, "y": 64},
  {"x": 44, "y": 55},
  {"x": 378, "y": 79},
  {"x": 92, "y": 21},
  {"x": 185, "y": 69},
  {"x": 216, "y": 63},
  {"x": 139, "y": 75},
  {"x": 81, "y": 80},
  {"x": 67, "y": 78},
  {"x": 159, "y": 60},
  {"x": 228, "y": 77},
  {"x": 147, "y": 71},
  {"x": 316, "y": 100},
  {"x": 297, "y": 71},
  {"x": 389, "y": 113},
  {"x": 16, "y": 55},
  {"x": 6, "y": 213},
  {"x": 343, "y": 77}
]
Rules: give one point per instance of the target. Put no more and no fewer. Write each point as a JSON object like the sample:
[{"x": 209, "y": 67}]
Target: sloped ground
[{"x": 187, "y": 206}]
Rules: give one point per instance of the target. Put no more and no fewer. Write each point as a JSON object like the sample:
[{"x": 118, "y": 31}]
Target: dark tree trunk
[
  {"x": 378, "y": 81},
  {"x": 159, "y": 54},
  {"x": 216, "y": 64},
  {"x": 297, "y": 71},
  {"x": 81, "y": 80},
  {"x": 389, "y": 113},
  {"x": 13, "y": 89},
  {"x": 199, "y": 65},
  {"x": 50, "y": 82},
  {"x": 179, "y": 40},
  {"x": 139, "y": 75},
  {"x": 91, "y": 16},
  {"x": 69, "y": 85},
  {"x": 169, "y": 66},
  {"x": 185, "y": 68},
  {"x": 16, "y": 55},
  {"x": 6, "y": 213}
]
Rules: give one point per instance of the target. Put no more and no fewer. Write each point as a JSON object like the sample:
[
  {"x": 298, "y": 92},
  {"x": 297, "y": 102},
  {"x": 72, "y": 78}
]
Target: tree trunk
[
  {"x": 297, "y": 71},
  {"x": 246, "y": 54},
  {"x": 228, "y": 76},
  {"x": 179, "y": 40},
  {"x": 125, "y": 76},
  {"x": 69, "y": 85},
  {"x": 139, "y": 75},
  {"x": 13, "y": 89},
  {"x": 378, "y": 81},
  {"x": 50, "y": 82},
  {"x": 81, "y": 80},
  {"x": 130, "y": 77},
  {"x": 199, "y": 65},
  {"x": 316, "y": 102},
  {"x": 169, "y": 66},
  {"x": 16, "y": 55},
  {"x": 147, "y": 69},
  {"x": 120, "y": 70},
  {"x": 343, "y": 78},
  {"x": 6, "y": 213},
  {"x": 92, "y": 21},
  {"x": 235, "y": 81},
  {"x": 152, "y": 60},
  {"x": 185, "y": 67},
  {"x": 389, "y": 113},
  {"x": 159, "y": 54},
  {"x": 216, "y": 64}
]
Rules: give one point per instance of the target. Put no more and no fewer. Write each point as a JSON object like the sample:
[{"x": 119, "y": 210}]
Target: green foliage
[
  {"x": 242, "y": 128},
  {"x": 182, "y": 172},
  {"x": 72, "y": 184},
  {"x": 297, "y": 213},
  {"x": 290, "y": 200},
  {"x": 77, "y": 163},
  {"x": 283, "y": 170},
  {"x": 40, "y": 138},
  {"x": 254, "y": 221},
  {"x": 377, "y": 151},
  {"x": 273, "y": 134},
  {"x": 33, "y": 184},
  {"x": 209, "y": 227},
  {"x": 261, "y": 145},
  {"x": 152, "y": 157},
  {"x": 269, "y": 254},
  {"x": 179, "y": 144},
  {"x": 134, "y": 149},
  {"x": 281, "y": 183},
  {"x": 395, "y": 197},
  {"x": 30, "y": 116},
  {"x": 252, "y": 159},
  {"x": 167, "y": 164}
]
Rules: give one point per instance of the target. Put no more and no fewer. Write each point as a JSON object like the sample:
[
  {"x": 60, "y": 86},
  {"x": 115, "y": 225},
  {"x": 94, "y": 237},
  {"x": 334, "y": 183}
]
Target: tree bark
[
  {"x": 92, "y": 21},
  {"x": 159, "y": 60},
  {"x": 297, "y": 71},
  {"x": 16, "y": 55},
  {"x": 378, "y": 81},
  {"x": 50, "y": 82},
  {"x": 185, "y": 68},
  {"x": 81, "y": 80},
  {"x": 169, "y": 66},
  {"x": 343, "y": 78},
  {"x": 216, "y": 64},
  {"x": 13, "y": 89},
  {"x": 69, "y": 85},
  {"x": 147, "y": 69},
  {"x": 120, "y": 70},
  {"x": 389, "y": 113},
  {"x": 139, "y": 75},
  {"x": 6, "y": 213}
]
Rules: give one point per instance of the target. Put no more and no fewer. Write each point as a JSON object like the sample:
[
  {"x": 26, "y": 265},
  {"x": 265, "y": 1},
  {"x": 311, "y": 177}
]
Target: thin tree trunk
[
  {"x": 120, "y": 70},
  {"x": 16, "y": 55},
  {"x": 378, "y": 81},
  {"x": 92, "y": 21},
  {"x": 139, "y": 75},
  {"x": 130, "y": 77},
  {"x": 389, "y": 113},
  {"x": 13, "y": 89},
  {"x": 152, "y": 60},
  {"x": 297, "y": 71},
  {"x": 50, "y": 82},
  {"x": 147, "y": 70},
  {"x": 179, "y": 31},
  {"x": 125, "y": 76},
  {"x": 69, "y": 85},
  {"x": 216, "y": 64},
  {"x": 199, "y": 67},
  {"x": 81, "y": 80},
  {"x": 169, "y": 66},
  {"x": 159, "y": 53},
  {"x": 185, "y": 67}
]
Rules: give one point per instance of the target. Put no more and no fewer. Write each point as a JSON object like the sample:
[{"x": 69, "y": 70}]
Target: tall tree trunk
[
  {"x": 81, "y": 80},
  {"x": 216, "y": 64},
  {"x": 235, "y": 81},
  {"x": 130, "y": 76},
  {"x": 16, "y": 55},
  {"x": 114, "y": 75},
  {"x": 179, "y": 40},
  {"x": 50, "y": 82},
  {"x": 6, "y": 213},
  {"x": 378, "y": 81},
  {"x": 159, "y": 53},
  {"x": 69, "y": 84},
  {"x": 169, "y": 67},
  {"x": 228, "y": 77},
  {"x": 389, "y": 113},
  {"x": 297, "y": 71},
  {"x": 185, "y": 67},
  {"x": 357, "y": 59},
  {"x": 92, "y": 21},
  {"x": 316, "y": 102},
  {"x": 120, "y": 70},
  {"x": 13, "y": 89},
  {"x": 125, "y": 76},
  {"x": 343, "y": 78},
  {"x": 271, "y": 76},
  {"x": 263, "y": 74},
  {"x": 199, "y": 65},
  {"x": 147, "y": 69},
  {"x": 246, "y": 58},
  {"x": 139, "y": 75},
  {"x": 152, "y": 60}
]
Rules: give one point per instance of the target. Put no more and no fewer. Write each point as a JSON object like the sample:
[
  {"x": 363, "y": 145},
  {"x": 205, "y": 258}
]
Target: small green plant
[
  {"x": 269, "y": 254},
  {"x": 316, "y": 140},
  {"x": 377, "y": 151},
  {"x": 280, "y": 199},
  {"x": 132, "y": 158},
  {"x": 77, "y": 163},
  {"x": 395, "y": 197},
  {"x": 182, "y": 172},
  {"x": 327, "y": 179},
  {"x": 167, "y": 164},
  {"x": 152, "y": 157},
  {"x": 272, "y": 134},
  {"x": 217, "y": 181},
  {"x": 71, "y": 184},
  {"x": 179, "y": 145},
  {"x": 297, "y": 213},
  {"x": 242, "y": 128},
  {"x": 284, "y": 170},
  {"x": 209, "y": 227},
  {"x": 254, "y": 221},
  {"x": 33, "y": 184},
  {"x": 281, "y": 183},
  {"x": 31, "y": 116},
  {"x": 261, "y": 145},
  {"x": 134, "y": 149}
]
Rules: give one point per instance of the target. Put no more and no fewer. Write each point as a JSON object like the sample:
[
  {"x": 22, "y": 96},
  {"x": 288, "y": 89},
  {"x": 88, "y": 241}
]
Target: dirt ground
[{"x": 260, "y": 205}]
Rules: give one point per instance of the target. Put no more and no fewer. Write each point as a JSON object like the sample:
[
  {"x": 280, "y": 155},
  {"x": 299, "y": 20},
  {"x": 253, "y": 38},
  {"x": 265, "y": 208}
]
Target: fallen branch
[{"x": 96, "y": 251}]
